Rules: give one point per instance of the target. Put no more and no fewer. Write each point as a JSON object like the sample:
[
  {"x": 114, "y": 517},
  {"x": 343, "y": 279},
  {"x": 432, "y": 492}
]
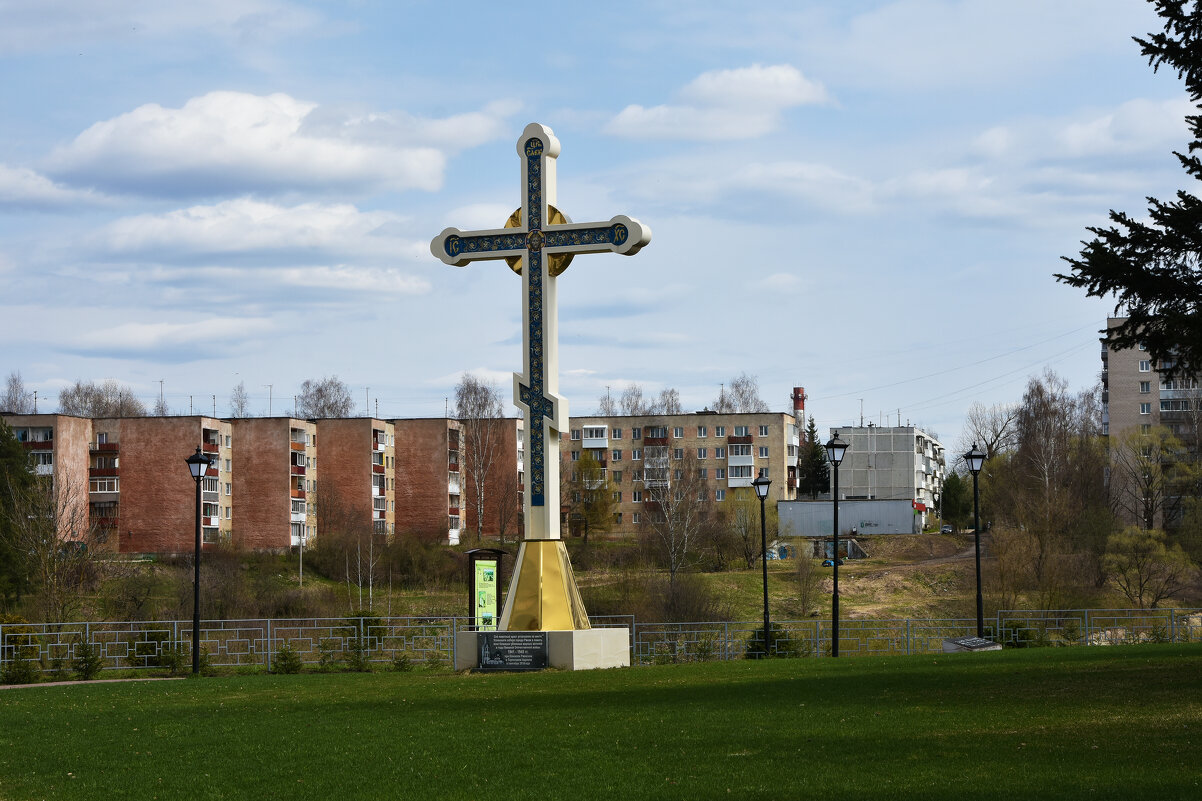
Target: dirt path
[{"x": 93, "y": 681}]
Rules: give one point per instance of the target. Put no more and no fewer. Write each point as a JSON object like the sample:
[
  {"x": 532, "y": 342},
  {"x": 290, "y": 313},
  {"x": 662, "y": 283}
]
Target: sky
[{"x": 866, "y": 199}]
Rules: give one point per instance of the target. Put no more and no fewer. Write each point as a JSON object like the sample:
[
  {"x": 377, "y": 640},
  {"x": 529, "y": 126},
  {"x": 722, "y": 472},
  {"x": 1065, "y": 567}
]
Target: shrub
[
  {"x": 402, "y": 662},
  {"x": 172, "y": 658},
  {"x": 780, "y": 644},
  {"x": 20, "y": 669},
  {"x": 88, "y": 661},
  {"x": 286, "y": 660},
  {"x": 328, "y": 655}
]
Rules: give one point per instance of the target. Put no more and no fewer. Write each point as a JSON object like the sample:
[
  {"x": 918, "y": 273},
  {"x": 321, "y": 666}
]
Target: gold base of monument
[{"x": 542, "y": 593}]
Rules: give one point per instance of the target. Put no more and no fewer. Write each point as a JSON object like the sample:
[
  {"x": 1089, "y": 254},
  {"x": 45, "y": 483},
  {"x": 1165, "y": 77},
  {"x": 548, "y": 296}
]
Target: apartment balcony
[
  {"x": 212, "y": 471},
  {"x": 453, "y": 486},
  {"x": 298, "y": 517},
  {"x": 44, "y": 470},
  {"x": 740, "y": 460},
  {"x": 298, "y": 470},
  {"x": 378, "y": 468},
  {"x": 453, "y": 510},
  {"x": 651, "y": 442},
  {"x": 104, "y": 471},
  {"x": 453, "y": 466},
  {"x": 377, "y": 491},
  {"x": 732, "y": 440},
  {"x": 298, "y": 493},
  {"x": 739, "y": 482},
  {"x": 297, "y": 446},
  {"x": 38, "y": 445},
  {"x": 96, "y": 447},
  {"x": 377, "y": 514},
  {"x": 209, "y": 497},
  {"x": 209, "y": 447},
  {"x": 210, "y": 522},
  {"x": 595, "y": 442},
  {"x": 106, "y": 523},
  {"x": 792, "y": 483}
]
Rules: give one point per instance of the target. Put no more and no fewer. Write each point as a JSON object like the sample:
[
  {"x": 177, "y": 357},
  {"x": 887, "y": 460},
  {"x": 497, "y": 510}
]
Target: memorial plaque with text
[{"x": 512, "y": 650}]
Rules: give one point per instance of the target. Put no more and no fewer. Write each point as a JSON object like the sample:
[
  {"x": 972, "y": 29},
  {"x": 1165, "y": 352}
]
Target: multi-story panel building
[
  {"x": 1135, "y": 397},
  {"x": 276, "y": 475},
  {"x": 138, "y": 465},
  {"x": 356, "y": 458},
  {"x": 892, "y": 463},
  {"x": 640, "y": 454},
  {"x": 428, "y": 486}
]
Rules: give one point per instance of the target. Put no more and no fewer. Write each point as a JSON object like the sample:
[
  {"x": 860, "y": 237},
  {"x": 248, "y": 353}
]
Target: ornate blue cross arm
[{"x": 536, "y": 241}]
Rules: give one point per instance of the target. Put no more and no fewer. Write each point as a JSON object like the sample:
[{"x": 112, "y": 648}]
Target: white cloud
[
  {"x": 478, "y": 216},
  {"x": 346, "y": 278},
  {"x": 152, "y": 336},
  {"x": 781, "y": 282},
  {"x": 256, "y": 229},
  {"x": 21, "y": 187},
  {"x": 449, "y": 134},
  {"x": 743, "y": 103},
  {"x": 232, "y": 142}
]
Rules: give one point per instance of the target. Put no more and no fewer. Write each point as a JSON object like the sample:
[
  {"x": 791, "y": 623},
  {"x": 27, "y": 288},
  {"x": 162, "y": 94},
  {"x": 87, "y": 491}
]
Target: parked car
[
  {"x": 947, "y": 530},
  {"x": 830, "y": 562}
]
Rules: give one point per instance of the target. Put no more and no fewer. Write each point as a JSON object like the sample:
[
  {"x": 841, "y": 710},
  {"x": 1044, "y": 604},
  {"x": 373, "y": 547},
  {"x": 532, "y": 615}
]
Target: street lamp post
[
  {"x": 760, "y": 485},
  {"x": 835, "y": 449},
  {"x": 197, "y": 464},
  {"x": 976, "y": 460}
]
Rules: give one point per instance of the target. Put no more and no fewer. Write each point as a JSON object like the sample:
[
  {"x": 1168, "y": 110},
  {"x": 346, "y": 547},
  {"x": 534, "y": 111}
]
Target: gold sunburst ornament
[{"x": 556, "y": 262}]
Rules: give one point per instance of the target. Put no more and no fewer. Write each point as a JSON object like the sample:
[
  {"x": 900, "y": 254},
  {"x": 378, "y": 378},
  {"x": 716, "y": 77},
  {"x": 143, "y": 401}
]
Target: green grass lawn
[{"x": 1122, "y": 722}]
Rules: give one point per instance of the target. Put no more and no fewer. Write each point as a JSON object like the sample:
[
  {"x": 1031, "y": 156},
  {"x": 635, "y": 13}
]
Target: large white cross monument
[{"x": 539, "y": 243}]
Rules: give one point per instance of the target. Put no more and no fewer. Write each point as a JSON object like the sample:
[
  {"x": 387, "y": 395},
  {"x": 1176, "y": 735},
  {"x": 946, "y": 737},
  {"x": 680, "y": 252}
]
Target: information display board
[{"x": 484, "y": 586}]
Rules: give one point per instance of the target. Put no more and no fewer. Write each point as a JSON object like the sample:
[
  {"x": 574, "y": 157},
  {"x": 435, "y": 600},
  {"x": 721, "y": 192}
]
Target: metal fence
[{"x": 369, "y": 641}]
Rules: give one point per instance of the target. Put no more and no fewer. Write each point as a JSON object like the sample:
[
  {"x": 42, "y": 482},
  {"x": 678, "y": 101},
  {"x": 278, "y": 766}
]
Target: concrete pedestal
[{"x": 584, "y": 649}]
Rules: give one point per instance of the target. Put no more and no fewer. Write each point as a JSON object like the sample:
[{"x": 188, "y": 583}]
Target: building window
[
  {"x": 1142, "y": 346},
  {"x": 742, "y": 431},
  {"x": 720, "y": 472},
  {"x": 740, "y": 471},
  {"x": 678, "y": 474},
  {"x": 658, "y": 432},
  {"x": 617, "y": 456},
  {"x": 763, "y": 472},
  {"x": 575, "y": 456},
  {"x": 453, "y": 523},
  {"x": 634, "y": 516},
  {"x": 701, "y": 432},
  {"x": 576, "y": 433},
  {"x": 1105, "y": 429},
  {"x": 678, "y": 453},
  {"x": 719, "y": 431},
  {"x": 1145, "y": 408},
  {"x": 703, "y": 472},
  {"x": 618, "y": 518},
  {"x": 701, "y": 453},
  {"x": 616, "y": 433},
  {"x": 636, "y": 496},
  {"x": 763, "y": 431},
  {"x": 104, "y": 485},
  {"x": 1146, "y": 428},
  {"x": 636, "y": 433},
  {"x": 1145, "y": 366},
  {"x": 594, "y": 432},
  {"x": 618, "y": 497},
  {"x": 763, "y": 452},
  {"x": 1145, "y": 387},
  {"x": 719, "y": 453},
  {"x": 617, "y": 474},
  {"x": 636, "y": 454},
  {"x": 739, "y": 450},
  {"x": 720, "y": 495},
  {"x": 227, "y": 513},
  {"x": 228, "y": 489},
  {"x": 228, "y": 465},
  {"x": 636, "y": 475},
  {"x": 677, "y": 432}
]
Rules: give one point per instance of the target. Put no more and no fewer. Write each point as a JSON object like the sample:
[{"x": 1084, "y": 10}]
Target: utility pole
[
  {"x": 367, "y": 400},
  {"x": 160, "y": 392},
  {"x": 35, "y": 401},
  {"x": 269, "y": 386},
  {"x": 214, "y": 405}
]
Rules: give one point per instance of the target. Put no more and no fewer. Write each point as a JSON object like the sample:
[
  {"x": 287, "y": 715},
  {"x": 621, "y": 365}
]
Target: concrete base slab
[{"x": 584, "y": 649}]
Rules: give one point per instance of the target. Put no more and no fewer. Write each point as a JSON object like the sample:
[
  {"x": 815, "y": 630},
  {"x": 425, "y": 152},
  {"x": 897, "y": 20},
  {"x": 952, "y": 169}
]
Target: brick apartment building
[
  {"x": 638, "y": 454},
  {"x": 58, "y": 449},
  {"x": 356, "y": 458},
  {"x": 276, "y": 476},
  {"x": 504, "y": 486}
]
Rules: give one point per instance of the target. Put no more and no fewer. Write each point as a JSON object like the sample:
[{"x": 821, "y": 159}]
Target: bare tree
[
  {"x": 741, "y": 514},
  {"x": 478, "y": 407},
  {"x": 104, "y": 399},
  {"x": 633, "y": 403},
  {"x": 160, "y": 408},
  {"x": 1146, "y": 477},
  {"x": 326, "y": 398},
  {"x": 606, "y": 405},
  {"x": 52, "y": 535},
  {"x": 678, "y": 512},
  {"x": 509, "y": 504},
  {"x": 16, "y": 400},
  {"x": 669, "y": 402},
  {"x": 240, "y": 401},
  {"x": 993, "y": 429},
  {"x": 742, "y": 395}
]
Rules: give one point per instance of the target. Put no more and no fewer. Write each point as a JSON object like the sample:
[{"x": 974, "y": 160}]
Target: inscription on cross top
[{"x": 539, "y": 243}]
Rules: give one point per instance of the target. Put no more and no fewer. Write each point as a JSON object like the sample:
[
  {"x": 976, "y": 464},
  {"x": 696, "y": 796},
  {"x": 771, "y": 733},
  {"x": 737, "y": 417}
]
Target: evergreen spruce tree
[
  {"x": 1153, "y": 268},
  {"x": 813, "y": 472}
]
